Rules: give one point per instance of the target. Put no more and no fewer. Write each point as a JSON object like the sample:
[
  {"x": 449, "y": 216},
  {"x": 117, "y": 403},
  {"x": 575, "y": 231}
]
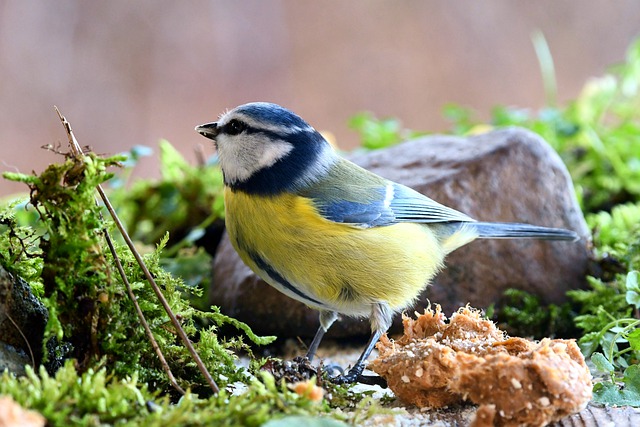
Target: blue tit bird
[{"x": 328, "y": 233}]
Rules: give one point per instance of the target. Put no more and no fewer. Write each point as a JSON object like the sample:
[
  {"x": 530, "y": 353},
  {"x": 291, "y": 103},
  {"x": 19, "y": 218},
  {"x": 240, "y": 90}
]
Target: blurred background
[{"x": 129, "y": 73}]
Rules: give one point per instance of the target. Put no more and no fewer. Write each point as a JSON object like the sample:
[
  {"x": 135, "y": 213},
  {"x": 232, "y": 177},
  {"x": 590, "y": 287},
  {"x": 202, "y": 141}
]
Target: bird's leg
[
  {"x": 326, "y": 320},
  {"x": 355, "y": 373},
  {"x": 381, "y": 316},
  {"x": 313, "y": 347}
]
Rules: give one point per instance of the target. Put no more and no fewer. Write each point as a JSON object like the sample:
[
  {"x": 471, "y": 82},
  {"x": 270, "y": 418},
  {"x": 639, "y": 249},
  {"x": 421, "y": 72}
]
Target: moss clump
[
  {"x": 75, "y": 274},
  {"x": 89, "y": 308}
]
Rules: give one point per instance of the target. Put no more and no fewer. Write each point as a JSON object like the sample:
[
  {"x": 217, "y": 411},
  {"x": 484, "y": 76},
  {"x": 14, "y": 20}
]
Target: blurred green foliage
[
  {"x": 183, "y": 202},
  {"x": 597, "y": 134},
  {"x": 380, "y": 133}
]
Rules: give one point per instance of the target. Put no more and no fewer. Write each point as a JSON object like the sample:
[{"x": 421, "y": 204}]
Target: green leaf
[
  {"x": 634, "y": 339},
  {"x": 633, "y": 298},
  {"x": 633, "y": 290},
  {"x": 632, "y": 281},
  {"x": 601, "y": 363},
  {"x": 610, "y": 393}
]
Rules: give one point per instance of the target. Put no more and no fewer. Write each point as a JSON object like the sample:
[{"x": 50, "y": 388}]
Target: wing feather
[{"x": 362, "y": 199}]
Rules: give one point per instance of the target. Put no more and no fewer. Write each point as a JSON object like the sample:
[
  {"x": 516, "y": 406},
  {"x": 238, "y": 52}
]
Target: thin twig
[
  {"x": 143, "y": 320},
  {"x": 201, "y": 157},
  {"x": 26, "y": 341},
  {"x": 181, "y": 333},
  {"x": 147, "y": 329}
]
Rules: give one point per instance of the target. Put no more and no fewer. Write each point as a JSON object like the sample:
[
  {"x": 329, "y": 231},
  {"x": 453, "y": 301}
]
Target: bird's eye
[{"x": 234, "y": 127}]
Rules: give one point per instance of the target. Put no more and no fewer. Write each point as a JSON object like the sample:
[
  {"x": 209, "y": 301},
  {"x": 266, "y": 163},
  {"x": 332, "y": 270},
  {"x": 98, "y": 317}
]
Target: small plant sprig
[
  {"x": 609, "y": 318},
  {"x": 380, "y": 133},
  {"x": 619, "y": 342},
  {"x": 620, "y": 338}
]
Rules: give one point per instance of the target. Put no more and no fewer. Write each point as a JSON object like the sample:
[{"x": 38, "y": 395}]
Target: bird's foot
[
  {"x": 354, "y": 376},
  {"x": 333, "y": 370},
  {"x": 300, "y": 369}
]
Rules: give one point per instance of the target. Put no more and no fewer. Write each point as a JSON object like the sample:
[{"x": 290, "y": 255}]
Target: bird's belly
[{"x": 328, "y": 265}]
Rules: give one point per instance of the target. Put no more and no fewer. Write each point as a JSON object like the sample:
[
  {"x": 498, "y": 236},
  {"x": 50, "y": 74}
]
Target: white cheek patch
[
  {"x": 241, "y": 159},
  {"x": 273, "y": 151}
]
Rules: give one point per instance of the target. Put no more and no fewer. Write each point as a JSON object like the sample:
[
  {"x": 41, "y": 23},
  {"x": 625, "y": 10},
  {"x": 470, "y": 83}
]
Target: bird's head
[{"x": 266, "y": 149}]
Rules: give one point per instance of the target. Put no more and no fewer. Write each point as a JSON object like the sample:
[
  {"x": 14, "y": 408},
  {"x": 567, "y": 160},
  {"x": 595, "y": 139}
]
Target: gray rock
[
  {"x": 22, "y": 315},
  {"x": 509, "y": 175},
  {"x": 13, "y": 360}
]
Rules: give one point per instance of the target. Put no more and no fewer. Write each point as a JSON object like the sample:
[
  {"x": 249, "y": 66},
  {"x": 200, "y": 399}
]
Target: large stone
[
  {"x": 22, "y": 316},
  {"x": 508, "y": 175}
]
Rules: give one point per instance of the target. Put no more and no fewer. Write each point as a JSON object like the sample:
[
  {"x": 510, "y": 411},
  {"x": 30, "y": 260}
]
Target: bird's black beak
[{"x": 208, "y": 130}]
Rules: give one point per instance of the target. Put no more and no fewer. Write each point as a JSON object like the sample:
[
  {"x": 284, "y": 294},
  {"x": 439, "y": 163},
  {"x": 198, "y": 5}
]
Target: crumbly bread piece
[{"x": 517, "y": 381}]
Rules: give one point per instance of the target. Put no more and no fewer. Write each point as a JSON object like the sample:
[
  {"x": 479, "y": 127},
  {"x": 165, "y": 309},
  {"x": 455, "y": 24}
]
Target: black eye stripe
[{"x": 236, "y": 127}]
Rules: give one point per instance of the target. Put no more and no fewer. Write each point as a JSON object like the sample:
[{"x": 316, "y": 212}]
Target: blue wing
[
  {"x": 367, "y": 200},
  {"x": 410, "y": 206}
]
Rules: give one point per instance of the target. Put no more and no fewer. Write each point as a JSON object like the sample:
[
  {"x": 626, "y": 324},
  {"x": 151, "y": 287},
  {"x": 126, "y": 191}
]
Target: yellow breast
[{"x": 331, "y": 265}]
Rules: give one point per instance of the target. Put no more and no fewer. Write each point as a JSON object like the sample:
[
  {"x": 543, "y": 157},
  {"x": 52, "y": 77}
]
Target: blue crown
[{"x": 272, "y": 113}]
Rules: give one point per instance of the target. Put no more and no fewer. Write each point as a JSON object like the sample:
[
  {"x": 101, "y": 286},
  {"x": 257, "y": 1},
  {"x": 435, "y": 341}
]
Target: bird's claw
[
  {"x": 330, "y": 369},
  {"x": 354, "y": 376}
]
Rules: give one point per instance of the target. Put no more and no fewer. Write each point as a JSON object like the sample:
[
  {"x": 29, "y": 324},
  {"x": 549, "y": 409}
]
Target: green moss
[
  {"x": 524, "y": 314},
  {"x": 19, "y": 251},
  {"x": 88, "y": 304},
  {"x": 98, "y": 398},
  {"x": 74, "y": 269}
]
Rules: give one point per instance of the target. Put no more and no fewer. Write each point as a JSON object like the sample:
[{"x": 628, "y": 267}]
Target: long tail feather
[{"x": 506, "y": 230}]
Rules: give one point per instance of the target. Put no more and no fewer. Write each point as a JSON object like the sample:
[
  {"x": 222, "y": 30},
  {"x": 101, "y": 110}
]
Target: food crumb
[{"x": 515, "y": 381}]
